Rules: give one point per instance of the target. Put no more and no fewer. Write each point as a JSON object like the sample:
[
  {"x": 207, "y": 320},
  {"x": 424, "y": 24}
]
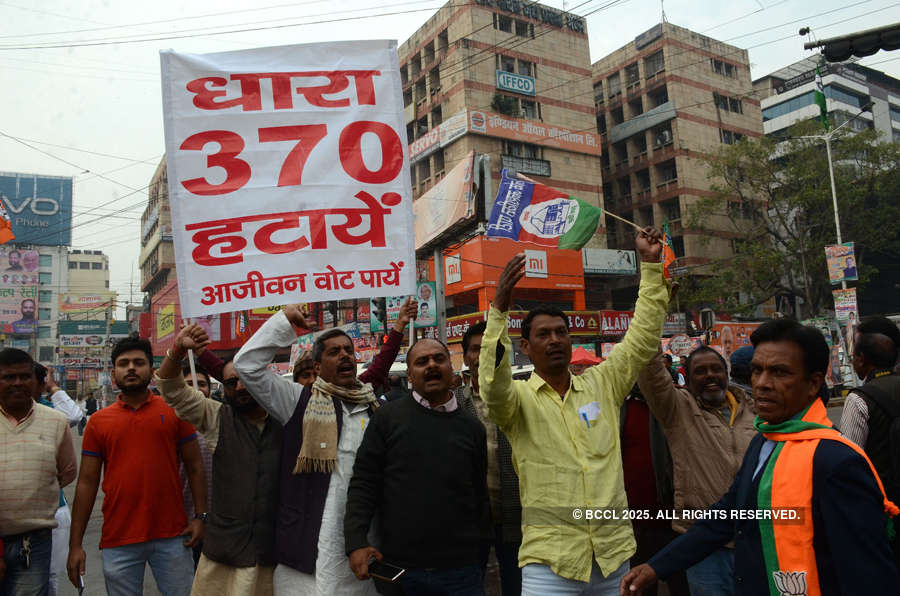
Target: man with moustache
[
  {"x": 245, "y": 442},
  {"x": 37, "y": 458},
  {"x": 136, "y": 443},
  {"x": 564, "y": 432},
  {"x": 323, "y": 427},
  {"x": 801, "y": 467},
  {"x": 418, "y": 452},
  {"x": 708, "y": 426}
]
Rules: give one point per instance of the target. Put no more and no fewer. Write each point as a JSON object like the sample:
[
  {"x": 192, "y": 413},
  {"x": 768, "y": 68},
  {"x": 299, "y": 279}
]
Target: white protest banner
[{"x": 288, "y": 176}]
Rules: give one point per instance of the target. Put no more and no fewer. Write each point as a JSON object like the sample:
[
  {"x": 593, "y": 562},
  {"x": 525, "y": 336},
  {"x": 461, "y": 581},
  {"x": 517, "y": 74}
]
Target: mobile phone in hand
[{"x": 384, "y": 571}]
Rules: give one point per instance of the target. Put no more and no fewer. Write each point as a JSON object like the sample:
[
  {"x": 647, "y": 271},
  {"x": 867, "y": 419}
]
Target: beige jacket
[{"x": 706, "y": 451}]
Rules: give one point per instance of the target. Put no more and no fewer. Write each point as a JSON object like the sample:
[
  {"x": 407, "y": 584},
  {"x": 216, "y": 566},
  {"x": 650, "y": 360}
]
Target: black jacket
[{"x": 850, "y": 541}]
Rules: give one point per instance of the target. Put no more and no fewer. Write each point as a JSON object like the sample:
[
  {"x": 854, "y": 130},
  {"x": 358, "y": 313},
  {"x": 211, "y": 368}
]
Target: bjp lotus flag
[
  {"x": 6, "y": 233},
  {"x": 526, "y": 211},
  {"x": 668, "y": 253}
]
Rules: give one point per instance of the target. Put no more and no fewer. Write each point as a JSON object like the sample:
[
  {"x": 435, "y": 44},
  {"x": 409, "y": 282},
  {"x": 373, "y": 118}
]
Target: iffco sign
[
  {"x": 510, "y": 81},
  {"x": 39, "y": 207}
]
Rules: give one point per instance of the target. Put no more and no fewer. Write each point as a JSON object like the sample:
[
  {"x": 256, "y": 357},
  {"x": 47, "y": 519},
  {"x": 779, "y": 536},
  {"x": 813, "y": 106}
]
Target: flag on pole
[
  {"x": 6, "y": 233},
  {"x": 668, "y": 252},
  {"x": 241, "y": 323},
  {"x": 527, "y": 211},
  {"x": 819, "y": 99}
]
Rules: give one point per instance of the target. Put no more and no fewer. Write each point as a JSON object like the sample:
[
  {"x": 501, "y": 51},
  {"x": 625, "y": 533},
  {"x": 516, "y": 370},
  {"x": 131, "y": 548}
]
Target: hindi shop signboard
[{"x": 288, "y": 175}]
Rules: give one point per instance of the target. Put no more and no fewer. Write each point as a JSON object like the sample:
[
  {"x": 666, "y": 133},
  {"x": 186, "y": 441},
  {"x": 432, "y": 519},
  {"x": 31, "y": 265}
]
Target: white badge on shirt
[{"x": 589, "y": 413}]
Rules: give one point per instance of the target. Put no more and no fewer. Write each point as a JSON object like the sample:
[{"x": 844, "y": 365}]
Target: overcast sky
[{"x": 76, "y": 103}]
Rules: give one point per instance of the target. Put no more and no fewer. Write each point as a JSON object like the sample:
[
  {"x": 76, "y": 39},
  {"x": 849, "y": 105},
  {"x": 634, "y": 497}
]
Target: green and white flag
[{"x": 819, "y": 98}]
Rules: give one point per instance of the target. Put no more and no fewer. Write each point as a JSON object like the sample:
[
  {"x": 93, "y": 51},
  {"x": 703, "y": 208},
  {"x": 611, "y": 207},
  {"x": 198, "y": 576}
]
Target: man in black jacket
[
  {"x": 844, "y": 551},
  {"x": 421, "y": 468}
]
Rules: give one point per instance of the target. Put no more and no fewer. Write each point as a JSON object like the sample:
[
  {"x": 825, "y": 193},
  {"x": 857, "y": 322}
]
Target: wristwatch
[{"x": 201, "y": 516}]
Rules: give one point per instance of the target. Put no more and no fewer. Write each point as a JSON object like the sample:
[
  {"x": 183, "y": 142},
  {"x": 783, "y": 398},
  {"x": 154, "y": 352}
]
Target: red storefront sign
[{"x": 581, "y": 322}]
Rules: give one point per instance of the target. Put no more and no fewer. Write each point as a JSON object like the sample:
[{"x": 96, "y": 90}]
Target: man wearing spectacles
[{"x": 239, "y": 551}]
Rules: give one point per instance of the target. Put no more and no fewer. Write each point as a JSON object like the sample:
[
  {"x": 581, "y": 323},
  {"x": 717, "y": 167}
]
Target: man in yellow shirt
[{"x": 564, "y": 432}]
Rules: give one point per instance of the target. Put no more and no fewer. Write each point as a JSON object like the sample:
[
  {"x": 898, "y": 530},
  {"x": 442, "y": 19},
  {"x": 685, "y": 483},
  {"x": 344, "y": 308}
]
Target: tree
[{"x": 775, "y": 198}]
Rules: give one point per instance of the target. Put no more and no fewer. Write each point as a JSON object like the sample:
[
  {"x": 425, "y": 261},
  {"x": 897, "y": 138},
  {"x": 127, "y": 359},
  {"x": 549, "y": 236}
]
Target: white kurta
[{"x": 279, "y": 396}]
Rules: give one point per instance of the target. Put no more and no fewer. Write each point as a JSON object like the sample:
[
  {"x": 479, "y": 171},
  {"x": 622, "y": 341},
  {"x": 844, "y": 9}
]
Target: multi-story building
[
  {"x": 787, "y": 97},
  {"x": 664, "y": 102},
  {"x": 88, "y": 271},
  {"x": 510, "y": 81},
  {"x": 157, "y": 260}
]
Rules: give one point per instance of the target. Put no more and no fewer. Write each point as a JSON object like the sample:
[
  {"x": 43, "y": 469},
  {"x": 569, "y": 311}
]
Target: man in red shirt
[{"x": 136, "y": 442}]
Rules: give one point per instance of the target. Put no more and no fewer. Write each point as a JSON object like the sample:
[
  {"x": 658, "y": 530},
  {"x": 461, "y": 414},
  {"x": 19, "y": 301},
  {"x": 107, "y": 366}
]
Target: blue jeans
[
  {"x": 539, "y": 580},
  {"x": 456, "y": 581},
  {"x": 33, "y": 580},
  {"x": 714, "y": 575},
  {"x": 170, "y": 560}
]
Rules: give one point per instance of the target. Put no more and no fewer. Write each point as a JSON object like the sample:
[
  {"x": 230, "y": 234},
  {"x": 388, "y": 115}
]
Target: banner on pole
[
  {"x": 288, "y": 176},
  {"x": 845, "y": 305},
  {"x": 841, "y": 263}
]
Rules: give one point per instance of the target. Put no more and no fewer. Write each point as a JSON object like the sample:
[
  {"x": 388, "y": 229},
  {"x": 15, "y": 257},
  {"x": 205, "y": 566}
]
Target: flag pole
[
  {"x": 622, "y": 219},
  {"x": 190, "y": 359}
]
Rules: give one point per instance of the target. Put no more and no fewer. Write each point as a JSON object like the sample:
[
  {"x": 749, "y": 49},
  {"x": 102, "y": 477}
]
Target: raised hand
[
  {"x": 297, "y": 316},
  {"x": 649, "y": 244},
  {"x": 512, "y": 273},
  {"x": 191, "y": 337},
  {"x": 408, "y": 312}
]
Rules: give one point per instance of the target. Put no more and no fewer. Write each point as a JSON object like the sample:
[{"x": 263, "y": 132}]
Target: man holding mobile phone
[{"x": 421, "y": 468}]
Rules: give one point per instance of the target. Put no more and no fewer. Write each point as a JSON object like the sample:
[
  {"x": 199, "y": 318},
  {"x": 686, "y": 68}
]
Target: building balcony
[
  {"x": 667, "y": 185},
  {"x": 647, "y": 120},
  {"x": 526, "y": 165},
  {"x": 644, "y": 197}
]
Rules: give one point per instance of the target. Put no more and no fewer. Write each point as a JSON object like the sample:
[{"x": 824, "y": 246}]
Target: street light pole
[
  {"x": 837, "y": 216},
  {"x": 827, "y": 138}
]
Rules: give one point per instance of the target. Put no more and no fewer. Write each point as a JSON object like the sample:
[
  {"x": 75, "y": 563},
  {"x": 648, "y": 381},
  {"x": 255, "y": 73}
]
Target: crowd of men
[{"x": 315, "y": 485}]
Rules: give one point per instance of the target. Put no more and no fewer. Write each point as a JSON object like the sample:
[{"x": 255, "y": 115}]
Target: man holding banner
[
  {"x": 323, "y": 428},
  {"x": 564, "y": 432}
]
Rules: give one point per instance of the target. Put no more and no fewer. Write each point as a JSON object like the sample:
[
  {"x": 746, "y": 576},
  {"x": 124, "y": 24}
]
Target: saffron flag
[
  {"x": 241, "y": 323},
  {"x": 526, "y": 211},
  {"x": 819, "y": 99},
  {"x": 6, "y": 233},
  {"x": 668, "y": 252}
]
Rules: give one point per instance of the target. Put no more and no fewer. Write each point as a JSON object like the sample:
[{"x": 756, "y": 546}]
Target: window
[
  {"x": 721, "y": 101},
  {"x": 718, "y": 66},
  {"x": 525, "y": 68},
  {"x": 734, "y": 104},
  {"x": 524, "y": 29},
  {"x": 895, "y": 114},
  {"x": 97, "y": 266},
  {"x": 730, "y": 70},
  {"x": 44, "y": 314},
  {"x": 46, "y": 353},
  {"x": 73, "y": 264},
  {"x": 507, "y": 64},
  {"x": 45, "y": 296},
  {"x": 107, "y": 283},
  {"x": 614, "y": 85},
  {"x": 45, "y": 278},
  {"x": 678, "y": 246},
  {"x": 654, "y": 63},
  {"x": 43, "y": 332},
  {"x": 631, "y": 74},
  {"x": 730, "y": 138},
  {"x": 672, "y": 210},
  {"x": 84, "y": 265},
  {"x": 503, "y": 23},
  {"x": 46, "y": 260},
  {"x": 529, "y": 109},
  {"x": 526, "y": 150},
  {"x": 601, "y": 125},
  {"x": 598, "y": 92}
]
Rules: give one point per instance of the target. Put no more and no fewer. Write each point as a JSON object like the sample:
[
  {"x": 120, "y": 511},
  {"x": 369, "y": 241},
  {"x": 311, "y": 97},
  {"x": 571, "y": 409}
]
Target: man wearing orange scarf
[{"x": 798, "y": 465}]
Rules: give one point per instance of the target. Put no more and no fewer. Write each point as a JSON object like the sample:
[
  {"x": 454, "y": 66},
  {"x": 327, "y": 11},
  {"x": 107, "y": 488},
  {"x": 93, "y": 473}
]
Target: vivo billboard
[{"x": 39, "y": 208}]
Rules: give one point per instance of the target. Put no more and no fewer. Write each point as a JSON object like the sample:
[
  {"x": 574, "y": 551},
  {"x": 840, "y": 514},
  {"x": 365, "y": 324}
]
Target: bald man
[{"x": 421, "y": 468}]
